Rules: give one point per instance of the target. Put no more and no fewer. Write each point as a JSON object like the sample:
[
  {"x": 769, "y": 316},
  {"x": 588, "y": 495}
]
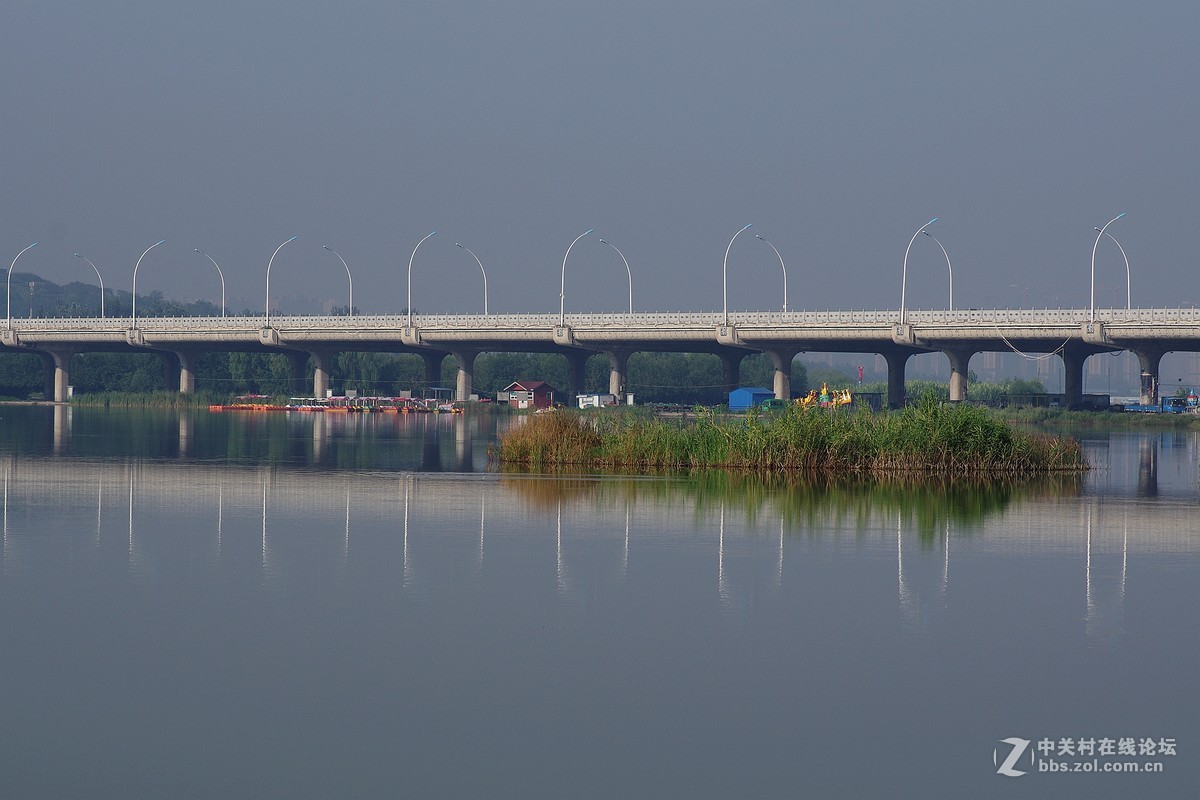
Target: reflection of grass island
[{"x": 929, "y": 438}]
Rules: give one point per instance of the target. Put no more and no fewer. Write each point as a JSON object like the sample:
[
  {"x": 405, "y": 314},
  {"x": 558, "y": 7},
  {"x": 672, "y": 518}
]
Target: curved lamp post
[
  {"x": 948, "y": 267},
  {"x": 133, "y": 314},
  {"x": 781, "y": 266},
  {"x": 222, "y": 274},
  {"x": 627, "y": 272},
  {"x": 10, "y": 271},
  {"x": 410, "y": 263},
  {"x": 904, "y": 275},
  {"x": 1092, "y": 302},
  {"x": 562, "y": 289},
  {"x": 1128, "y": 295},
  {"x": 269, "y": 263},
  {"x": 99, "y": 278},
  {"x": 348, "y": 277},
  {"x": 481, "y": 269},
  {"x": 725, "y": 275}
]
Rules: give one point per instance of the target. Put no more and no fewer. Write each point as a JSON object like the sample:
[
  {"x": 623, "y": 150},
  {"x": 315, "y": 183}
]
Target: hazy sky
[{"x": 837, "y": 128}]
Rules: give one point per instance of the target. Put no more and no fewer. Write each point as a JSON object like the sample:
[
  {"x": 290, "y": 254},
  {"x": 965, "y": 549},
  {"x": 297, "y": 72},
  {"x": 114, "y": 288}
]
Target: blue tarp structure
[{"x": 748, "y": 397}]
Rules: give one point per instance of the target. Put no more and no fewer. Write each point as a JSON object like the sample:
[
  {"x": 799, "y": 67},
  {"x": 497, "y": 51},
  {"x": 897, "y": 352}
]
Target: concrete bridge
[{"x": 1072, "y": 334}]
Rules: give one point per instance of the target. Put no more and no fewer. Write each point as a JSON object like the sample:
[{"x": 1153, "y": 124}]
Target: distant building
[
  {"x": 595, "y": 400},
  {"x": 530, "y": 394},
  {"x": 748, "y": 397}
]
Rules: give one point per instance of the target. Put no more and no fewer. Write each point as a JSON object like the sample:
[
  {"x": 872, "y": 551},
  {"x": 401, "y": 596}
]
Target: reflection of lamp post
[
  {"x": 269, "y": 263},
  {"x": 781, "y": 266},
  {"x": 410, "y": 263},
  {"x": 627, "y": 272},
  {"x": 562, "y": 289},
  {"x": 133, "y": 314},
  {"x": 348, "y": 277},
  {"x": 904, "y": 275},
  {"x": 725, "y": 276},
  {"x": 1128, "y": 295},
  {"x": 222, "y": 274},
  {"x": 11, "y": 267},
  {"x": 948, "y": 267},
  {"x": 1092, "y": 303},
  {"x": 481, "y": 269},
  {"x": 99, "y": 278}
]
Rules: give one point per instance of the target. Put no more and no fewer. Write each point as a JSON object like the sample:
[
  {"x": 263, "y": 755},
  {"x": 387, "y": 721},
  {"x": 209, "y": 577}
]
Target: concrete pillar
[
  {"x": 298, "y": 364},
  {"x": 618, "y": 366},
  {"x": 433, "y": 368},
  {"x": 48, "y": 370},
  {"x": 58, "y": 375},
  {"x": 171, "y": 371},
  {"x": 321, "y": 361},
  {"x": 187, "y": 371},
  {"x": 959, "y": 361},
  {"x": 731, "y": 364},
  {"x": 1072, "y": 377},
  {"x": 896, "y": 360},
  {"x": 1149, "y": 361},
  {"x": 465, "y": 359},
  {"x": 782, "y": 361},
  {"x": 576, "y": 373}
]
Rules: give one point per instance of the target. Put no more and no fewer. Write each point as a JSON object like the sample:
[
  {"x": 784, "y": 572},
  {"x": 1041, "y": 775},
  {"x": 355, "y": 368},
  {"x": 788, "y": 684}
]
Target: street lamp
[
  {"x": 1128, "y": 296},
  {"x": 99, "y": 278},
  {"x": 410, "y": 263},
  {"x": 904, "y": 275},
  {"x": 562, "y": 289},
  {"x": 481, "y": 269},
  {"x": 627, "y": 272},
  {"x": 269, "y": 263},
  {"x": 133, "y": 314},
  {"x": 725, "y": 275},
  {"x": 222, "y": 274},
  {"x": 348, "y": 277},
  {"x": 948, "y": 267},
  {"x": 781, "y": 266},
  {"x": 10, "y": 272},
  {"x": 1092, "y": 302}
]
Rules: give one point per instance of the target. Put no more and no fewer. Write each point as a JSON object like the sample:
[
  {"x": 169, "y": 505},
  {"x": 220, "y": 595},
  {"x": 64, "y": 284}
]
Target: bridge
[{"x": 1071, "y": 334}]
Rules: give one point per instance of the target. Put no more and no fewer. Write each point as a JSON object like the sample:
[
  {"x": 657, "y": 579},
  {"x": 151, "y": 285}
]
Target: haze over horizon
[{"x": 837, "y": 129}]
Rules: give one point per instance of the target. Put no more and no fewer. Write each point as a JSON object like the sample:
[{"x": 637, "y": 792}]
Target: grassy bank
[
  {"x": 201, "y": 399},
  {"x": 930, "y": 438}
]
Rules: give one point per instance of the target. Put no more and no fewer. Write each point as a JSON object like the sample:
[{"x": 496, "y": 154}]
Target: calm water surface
[{"x": 265, "y": 605}]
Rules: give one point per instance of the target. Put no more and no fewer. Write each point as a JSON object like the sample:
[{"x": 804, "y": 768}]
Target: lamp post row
[{"x": 1100, "y": 233}]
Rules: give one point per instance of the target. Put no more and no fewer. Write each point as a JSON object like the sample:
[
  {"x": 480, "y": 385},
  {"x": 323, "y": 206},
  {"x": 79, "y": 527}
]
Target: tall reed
[{"x": 929, "y": 438}]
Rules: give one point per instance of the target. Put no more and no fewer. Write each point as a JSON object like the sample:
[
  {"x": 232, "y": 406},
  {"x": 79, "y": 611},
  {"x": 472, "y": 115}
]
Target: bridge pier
[
  {"x": 960, "y": 359},
  {"x": 782, "y": 361},
  {"x": 321, "y": 361},
  {"x": 896, "y": 361},
  {"x": 1149, "y": 360},
  {"x": 57, "y": 374},
  {"x": 576, "y": 373},
  {"x": 618, "y": 366},
  {"x": 187, "y": 371},
  {"x": 731, "y": 365},
  {"x": 465, "y": 359},
  {"x": 298, "y": 366},
  {"x": 1073, "y": 361}
]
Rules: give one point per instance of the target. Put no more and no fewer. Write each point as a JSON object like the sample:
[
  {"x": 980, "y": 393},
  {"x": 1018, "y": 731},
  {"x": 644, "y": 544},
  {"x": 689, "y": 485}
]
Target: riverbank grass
[{"x": 929, "y": 438}]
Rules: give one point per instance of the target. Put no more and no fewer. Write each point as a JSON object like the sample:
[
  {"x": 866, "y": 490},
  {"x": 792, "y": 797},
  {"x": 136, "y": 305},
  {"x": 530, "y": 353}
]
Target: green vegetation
[{"x": 928, "y": 438}]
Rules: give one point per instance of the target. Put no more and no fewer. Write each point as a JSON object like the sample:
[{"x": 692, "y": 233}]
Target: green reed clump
[
  {"x": 160, "y": 399},
  {"x": 931, "y": 437}
]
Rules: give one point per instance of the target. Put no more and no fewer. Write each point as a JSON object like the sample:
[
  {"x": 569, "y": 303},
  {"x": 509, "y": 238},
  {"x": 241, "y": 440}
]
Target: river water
[{"x": 296, "y": 606}]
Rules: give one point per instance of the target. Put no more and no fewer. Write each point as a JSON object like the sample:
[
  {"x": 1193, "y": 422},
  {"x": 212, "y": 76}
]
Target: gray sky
[{"x": 836, "y": 128}]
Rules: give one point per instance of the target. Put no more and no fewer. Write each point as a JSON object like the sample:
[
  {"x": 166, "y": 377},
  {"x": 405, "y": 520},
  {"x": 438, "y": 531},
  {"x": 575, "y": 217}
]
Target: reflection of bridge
[{"x": 1073, "y": 335}]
